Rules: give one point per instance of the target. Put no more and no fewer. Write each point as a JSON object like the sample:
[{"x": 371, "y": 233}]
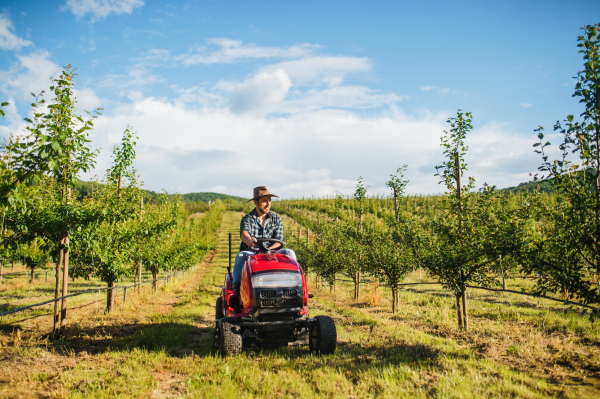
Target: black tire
[
  {"x": 323, "y": 336},
  {"x": 218, "y": 311},
  {"x": 230, "y": 337}
]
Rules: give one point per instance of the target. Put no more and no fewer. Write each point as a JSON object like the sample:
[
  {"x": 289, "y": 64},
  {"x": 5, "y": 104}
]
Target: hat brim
[{"x": 266, "y": 195}]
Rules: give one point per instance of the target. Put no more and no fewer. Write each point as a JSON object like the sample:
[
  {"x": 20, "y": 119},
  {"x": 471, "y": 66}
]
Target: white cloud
[
  {"x": 441, "y": 90},
  {"x": 526, "y": 105},
  {"x": 322, "y": 68},
  {"x": 30, "y": 75},
  {"x": 499, "y": 157},
  {"x": 341, "y": 97},
  {"x": 136, "y": 76},
  {"x": 101, "y": 8},
  {"x": 13, "y": 121},
  {"x": 261, "y": 93},
  {"x": 312, "y": 152},
  {"x": 228, "y": 50},
  {"x": 8, "y": 40},
  {"x": 87, "y": 100}
]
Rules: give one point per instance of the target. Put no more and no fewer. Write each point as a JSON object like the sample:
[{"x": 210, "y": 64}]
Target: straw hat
[{"x": 261, "y": 191}]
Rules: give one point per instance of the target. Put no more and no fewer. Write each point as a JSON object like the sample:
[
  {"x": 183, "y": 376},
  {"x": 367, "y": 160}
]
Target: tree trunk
[
  {"x": 394, "y": 290},
  {"x": 139, "y": 279},
  {"x": 503, "y": 274},
  {"x": 110, "y": 296},
  {"x": 154, "y": 276},
  {"x": 139, "y": 273},
  {"x": 396, "y": 209},
  {"x": 465, "y": 313},
  {"x": 1, "y": 271},
  {"x": 13, "y": 263},
  {"x": 56, "y": 326},
  {"x": 65, "y": 286},
  {"x": 459, "y": 311},
  {"x": 32, "y": 275}
]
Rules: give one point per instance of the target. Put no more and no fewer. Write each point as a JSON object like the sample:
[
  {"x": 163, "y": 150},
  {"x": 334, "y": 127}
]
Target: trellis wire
[{"x": 76, "y": 294}]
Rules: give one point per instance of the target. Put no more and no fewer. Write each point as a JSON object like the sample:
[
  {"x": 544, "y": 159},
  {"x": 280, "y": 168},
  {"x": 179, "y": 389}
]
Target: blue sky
[{"x": 302, "y": 97}]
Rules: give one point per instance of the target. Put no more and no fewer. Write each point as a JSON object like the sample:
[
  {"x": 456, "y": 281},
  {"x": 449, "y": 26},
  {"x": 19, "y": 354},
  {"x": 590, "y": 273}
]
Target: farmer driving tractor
[{"x": 260, "y": 223}]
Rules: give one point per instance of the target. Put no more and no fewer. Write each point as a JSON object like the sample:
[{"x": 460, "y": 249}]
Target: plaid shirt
[{"x": 251, "y": 223}]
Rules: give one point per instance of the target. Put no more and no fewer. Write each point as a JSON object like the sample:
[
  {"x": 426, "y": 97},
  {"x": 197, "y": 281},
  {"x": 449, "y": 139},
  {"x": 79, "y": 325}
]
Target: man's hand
[
  {"x": 248, "y": 240},
  {"x": 275, "y": 246}
]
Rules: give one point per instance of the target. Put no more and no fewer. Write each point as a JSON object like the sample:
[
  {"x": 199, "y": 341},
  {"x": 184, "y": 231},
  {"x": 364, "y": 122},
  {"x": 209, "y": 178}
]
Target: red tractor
[{"x": 275, "y": 312}]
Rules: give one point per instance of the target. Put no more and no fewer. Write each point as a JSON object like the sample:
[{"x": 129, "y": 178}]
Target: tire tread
[{"x": 230, "y": 336}]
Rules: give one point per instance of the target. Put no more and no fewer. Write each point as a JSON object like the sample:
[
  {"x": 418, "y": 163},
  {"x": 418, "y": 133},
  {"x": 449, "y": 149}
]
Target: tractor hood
[
  {"x": 273, "y": 283},
  {"x": 272, "y": 263}
]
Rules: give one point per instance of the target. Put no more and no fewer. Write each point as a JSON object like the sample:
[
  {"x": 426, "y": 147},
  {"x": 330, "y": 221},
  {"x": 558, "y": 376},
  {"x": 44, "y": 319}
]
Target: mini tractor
[{"x": 275, "y": 312}]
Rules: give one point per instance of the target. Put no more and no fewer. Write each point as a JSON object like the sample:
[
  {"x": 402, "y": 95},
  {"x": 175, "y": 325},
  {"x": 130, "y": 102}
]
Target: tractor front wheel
[
  {"x": 323, "y": 336},
  {"x": 230, "y": 337},
  {"x": 218, "y": 311}
]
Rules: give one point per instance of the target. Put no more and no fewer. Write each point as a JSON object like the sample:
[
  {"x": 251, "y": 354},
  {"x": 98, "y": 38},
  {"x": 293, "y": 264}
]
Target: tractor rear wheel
[
  {"x": 230, "y": 337},
  {"x": 218, "y": 311},
  {"x": 323, "y": 336}
]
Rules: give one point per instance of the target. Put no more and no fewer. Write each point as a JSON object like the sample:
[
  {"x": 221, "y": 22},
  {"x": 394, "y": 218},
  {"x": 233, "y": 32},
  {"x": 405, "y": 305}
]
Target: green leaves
[
  {"x": 564, "y": 249},
  {"x": 454, "y": 150}
]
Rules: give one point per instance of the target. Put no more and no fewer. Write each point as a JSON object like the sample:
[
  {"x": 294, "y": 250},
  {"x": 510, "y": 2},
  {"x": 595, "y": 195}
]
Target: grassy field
[{"x": 161, "y": 345}]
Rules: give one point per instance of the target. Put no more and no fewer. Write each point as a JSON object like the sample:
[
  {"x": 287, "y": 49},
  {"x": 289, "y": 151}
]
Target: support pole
[
  {"x": 65, "y": 285},
  {"x": 229, "y": 267}
]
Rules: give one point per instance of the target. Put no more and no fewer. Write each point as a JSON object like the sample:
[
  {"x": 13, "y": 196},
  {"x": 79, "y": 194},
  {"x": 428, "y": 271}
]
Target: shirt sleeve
[
  {"x": 244, "y": 226},
  {"x": 278, "y": 231}
]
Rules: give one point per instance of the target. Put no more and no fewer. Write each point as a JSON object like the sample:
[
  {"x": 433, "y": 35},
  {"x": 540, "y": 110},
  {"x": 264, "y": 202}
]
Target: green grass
[{"x": 162, "y": 346}]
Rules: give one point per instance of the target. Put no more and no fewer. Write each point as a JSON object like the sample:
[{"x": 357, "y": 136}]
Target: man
[{"x": 260, "y": 223}]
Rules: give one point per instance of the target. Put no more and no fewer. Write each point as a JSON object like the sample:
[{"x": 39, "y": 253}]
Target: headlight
[{"x": 277, "y": 280}]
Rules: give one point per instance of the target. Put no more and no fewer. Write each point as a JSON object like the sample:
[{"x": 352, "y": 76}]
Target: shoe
[{"x": 236, "y": 303}]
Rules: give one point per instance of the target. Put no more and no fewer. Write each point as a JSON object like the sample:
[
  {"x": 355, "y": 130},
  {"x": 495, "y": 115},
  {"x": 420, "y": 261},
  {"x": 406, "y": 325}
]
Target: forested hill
[
  {"x": 205, "y": 197},
  {"x": 84, "y": 188},
  {"x": 544, "y": 186}
]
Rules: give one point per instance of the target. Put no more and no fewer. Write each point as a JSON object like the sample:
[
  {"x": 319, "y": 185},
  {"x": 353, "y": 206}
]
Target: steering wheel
[{"x": 262, "y": 249}]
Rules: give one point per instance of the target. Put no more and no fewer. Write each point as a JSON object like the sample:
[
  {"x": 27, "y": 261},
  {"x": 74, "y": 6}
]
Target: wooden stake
[
  {"x": 56, "y": 325},
  {"x": 465, "y": 313},
  {"x": 459, "y": 311},
  {"x": 65, "y": 285}
]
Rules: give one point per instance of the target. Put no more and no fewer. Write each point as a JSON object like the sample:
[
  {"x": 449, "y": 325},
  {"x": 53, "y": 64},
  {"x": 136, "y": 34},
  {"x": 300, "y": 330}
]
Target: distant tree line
[{"x": 85, "y": 189}]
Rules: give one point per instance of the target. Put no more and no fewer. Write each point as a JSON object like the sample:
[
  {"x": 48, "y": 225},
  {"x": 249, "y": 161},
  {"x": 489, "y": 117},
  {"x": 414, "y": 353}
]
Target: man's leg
[
  {"x": 240, "y": 259},
  {"x": 288, "y": 252}
]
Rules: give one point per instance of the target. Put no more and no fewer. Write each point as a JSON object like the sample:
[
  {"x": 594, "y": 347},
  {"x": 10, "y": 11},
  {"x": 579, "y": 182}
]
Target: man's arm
[
  {"x": 277, "y": 233},
  {"x": 247, "y": 239}
]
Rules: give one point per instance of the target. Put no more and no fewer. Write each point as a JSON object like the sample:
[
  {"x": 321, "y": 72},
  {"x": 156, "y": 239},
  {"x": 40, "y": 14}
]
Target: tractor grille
[
  {"x": 289, "y": 293},
  {"x": 269, "y": 294},
  {"x": 267, "y": 303},
  {"x": 290, "y": 302}
]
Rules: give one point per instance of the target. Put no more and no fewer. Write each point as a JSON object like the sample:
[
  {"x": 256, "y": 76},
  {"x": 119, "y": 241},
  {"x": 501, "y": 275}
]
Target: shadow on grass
[
  {"x": 182, "y": 340},
  {"x": 176, "y": 339}
]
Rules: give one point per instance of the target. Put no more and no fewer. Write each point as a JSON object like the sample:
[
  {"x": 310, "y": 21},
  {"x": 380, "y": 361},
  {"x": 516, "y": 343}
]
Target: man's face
[{"x": 263, "y": 204}]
